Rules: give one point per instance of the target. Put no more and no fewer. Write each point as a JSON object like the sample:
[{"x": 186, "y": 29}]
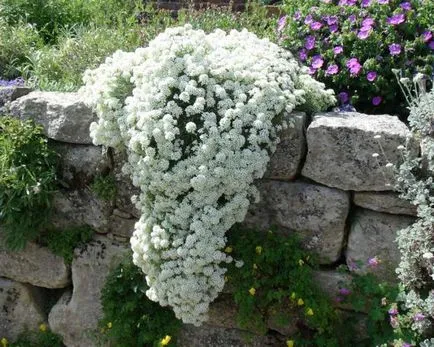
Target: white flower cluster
[{"x": 199, "y": 116}]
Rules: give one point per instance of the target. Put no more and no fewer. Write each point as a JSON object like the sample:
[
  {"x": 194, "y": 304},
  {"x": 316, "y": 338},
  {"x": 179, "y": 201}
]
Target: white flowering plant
[{"x": 199, "y": 115}]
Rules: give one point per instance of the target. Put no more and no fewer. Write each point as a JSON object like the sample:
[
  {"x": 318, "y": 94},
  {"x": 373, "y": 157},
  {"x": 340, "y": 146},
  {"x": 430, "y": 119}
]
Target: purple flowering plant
[{"x": 353, "y": 45}]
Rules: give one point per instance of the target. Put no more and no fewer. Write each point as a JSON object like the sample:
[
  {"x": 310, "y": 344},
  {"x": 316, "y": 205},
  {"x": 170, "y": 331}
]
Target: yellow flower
[
  {"x": 228, "y": 249},
  {"x": 255, "y": 267},
  {"x": 300, "y": 302},
  {"x": 300, "y": 262},
  {"x": 293, "y": 295},
  {"x": 4, "y": 342},
  {"x": 109, "y": 325},
  {"x": 166, "y": 340},
  {"x": 258, "y": 250},
  {"x": 252, "y": 291},
  {"x": 309, "y": 312},
  {"x": 43, "y": 327},
  {"x": 290, "y": 343}
]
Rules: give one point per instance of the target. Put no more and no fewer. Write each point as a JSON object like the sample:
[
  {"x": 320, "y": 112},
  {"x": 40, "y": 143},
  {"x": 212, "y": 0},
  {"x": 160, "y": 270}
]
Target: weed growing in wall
[
  {"x": 42, "y": 338},
  {"x": 104, "y": 187},
  {"x": 130, "y": 318},
  {"x": 27, "y": 181}
]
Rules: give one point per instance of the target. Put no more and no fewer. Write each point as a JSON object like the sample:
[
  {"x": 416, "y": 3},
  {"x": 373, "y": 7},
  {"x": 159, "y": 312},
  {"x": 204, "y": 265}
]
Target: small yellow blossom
[
  {"x": 43, "y": 327},
  {"x": 166, "y": 340},
  {"x": 226, "y": 279},
  {"x": 258, "y": 250},
  {"x": 252, "y": 291},
  {"x": 290, "y": 343},
  {"x": 300, "y": 262},
  {"x": 228, "y": 249},
  {"x": 255, "y": 267},
  {"x": 109, "y": 325},
  {"x": 293, "y": 295},
  {"x": 300, "y": 302},
  {"x": 309, "y": 312},
  {"x": 4, "y": 342}
]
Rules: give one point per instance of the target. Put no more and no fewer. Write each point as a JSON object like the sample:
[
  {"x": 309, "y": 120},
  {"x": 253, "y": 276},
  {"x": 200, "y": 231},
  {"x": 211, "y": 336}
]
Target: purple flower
[
  {"x": 297, "y": 15},
  {"x": 347, "y": 2},
  {"x": 344, "y": 291},
  {"x": 418, "y": 317},
  {"x": 431, "y": 45},
  {"x": 332, "y": 20},
  {"x": 354, "y": 66},
  {"x": 343, "y": 98},
  {"x": 310, "y": 42},
  {"x": 302, "y": 54},
  {"x": 18, "y": 82},
  {"x": 333, "y": 28},
  {"x": 393, "y": 311},
  {"x": 364, "y": 33},
  {"x": 376, "y": 100},
  {"x": 396, "y": 19},
  {"x": 395, "y": 49},
  {"x": 317, "y": 62},
  {"x": 352, "y": 18},
  {"x": 311, "y": 71},
  {"x": 316, "y": 25},
  {"x": 406, "y": 344},
  {"x": 371, "y": 76},
  {"x": 406, "y": 6},
  {"x": 383, "y": 2},
  {"x": 339, "y": 299},
  {"x": 338, "y": 50},
  {"x": 368, "y": 22},
  {"x": 394, "y": 322},
  {"x": 427, "y": 36},
  {"x": 281, "y": 24},
  {"x": 366, "y": 3},
  {"x": 373, "y": 262},
  {"x": 332, "y": 69},
  {"x": 308, "y": 19}
]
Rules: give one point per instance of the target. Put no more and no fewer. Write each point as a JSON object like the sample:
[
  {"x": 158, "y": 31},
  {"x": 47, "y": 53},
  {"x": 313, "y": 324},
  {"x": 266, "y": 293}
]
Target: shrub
[
  {"x": 27, "y": 180},
  {"x": 137, "y": 321},
  {"x": 16, "y": 44},
  {"x": 353, "y": 45},
  {"x": 199, "y": 115},
  {"x": 41, "y": 338}
]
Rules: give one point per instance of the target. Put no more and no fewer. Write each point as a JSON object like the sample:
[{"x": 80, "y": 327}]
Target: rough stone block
[
  {"x": 76, "y": 315},
  {"x": 316, "y": 213},
  {"x": 372, "y": 235},
  {"x": 20, "y": 310},
  {"x": 122, "y": 227},
  {"x": 64, "y": 116},
  {"x": 340, "y": 148},
  {"x": 35, "y": 265},
  {"x": 286, "y": 161},
  {"x": 387, "y": 202}
]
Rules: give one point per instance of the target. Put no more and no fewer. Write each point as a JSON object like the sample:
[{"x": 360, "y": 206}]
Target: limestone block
[
  {"x": 316, "y": 213},
  {"x": 372, "y": 235},
  {"x": 76, "y": 315},
  {"x": 340, "y": 148},
  {"x": 20, "y": 310},
  {"x": 79, "y": 164},
  {"x": 122, "y": 227},
  {"x": 387, "y": 202},
  {"x": 64, "y": 116},
  {"x": 206, "y": 335},
  {"x": 285, "y": 162},
  {"x": 35, "y": 265},
  {"x": 81, "y": 207}
]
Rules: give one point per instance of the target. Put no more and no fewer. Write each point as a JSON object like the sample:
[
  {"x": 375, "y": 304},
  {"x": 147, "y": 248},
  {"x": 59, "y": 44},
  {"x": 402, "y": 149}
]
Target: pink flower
[
  {"x": 352, "y": 18},
  {"x": 368, "y": 22},
  {"x": 374, "y": 262},
  {"x": 297, "y": 16},
  {"x": 364, "y": 33},
  {"x": 309, "y": 42},
  {"x": 371, "y": 76},
  {"x": 317, "y": 62},
  {"x": 338, "y": 50},
  {"x": 395, "y": 49},
  {"x": 281, "y": 24},
  {"x": 302, "y": 54},
  {"x": 311, "y": 71},
  {"x": 332, "y": 69},
  {"x": 308, "y": 19},
  {"x": 354, "y": 66},
  {"x": 393, "y": 311},
  {"x": 332, "y": 20},
  {"x": 383, "y": 2},
  {"x": 316, "y": 25},
  {"x": 376, "y": 100},
  {"x": 406, "y": 6},
  {"x": 394, "y": 322},
  {"x": 344, "y": 291},
  {"x": 427, "y": 36},
  {"x": 418, "y": 317},
  {"x": 396, "y": 19},
  {"x": 366, "y": 3}
]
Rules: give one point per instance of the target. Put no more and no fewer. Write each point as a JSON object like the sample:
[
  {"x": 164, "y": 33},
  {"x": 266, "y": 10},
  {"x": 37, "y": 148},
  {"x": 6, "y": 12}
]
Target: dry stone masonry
[{"x": 322, "y": 183}]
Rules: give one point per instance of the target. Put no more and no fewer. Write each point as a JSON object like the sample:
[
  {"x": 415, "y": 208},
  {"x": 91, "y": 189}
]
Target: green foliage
[
  {"x": 27, "y": 181},
  {"x": 130, "y": 318},
  {"x": 63, "y": 242},
  {"x": 41, "y": 338},
  {"x": 105, "y": 187},
  {"x": 281, "y": 274},
  {"x": 373, "y": 52},
  {"x": 16, "y": 44}
]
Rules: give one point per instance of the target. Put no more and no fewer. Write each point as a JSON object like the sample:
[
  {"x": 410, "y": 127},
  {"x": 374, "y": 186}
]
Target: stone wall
[{"x": 322, "y": 183}]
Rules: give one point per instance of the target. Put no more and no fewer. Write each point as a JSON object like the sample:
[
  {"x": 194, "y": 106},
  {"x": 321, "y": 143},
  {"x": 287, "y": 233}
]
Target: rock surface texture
[{"x": 341, "y": 145}]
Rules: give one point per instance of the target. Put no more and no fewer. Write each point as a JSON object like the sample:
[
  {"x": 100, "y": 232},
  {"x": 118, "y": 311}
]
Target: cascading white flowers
[{"x": 199, "y": 116}]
